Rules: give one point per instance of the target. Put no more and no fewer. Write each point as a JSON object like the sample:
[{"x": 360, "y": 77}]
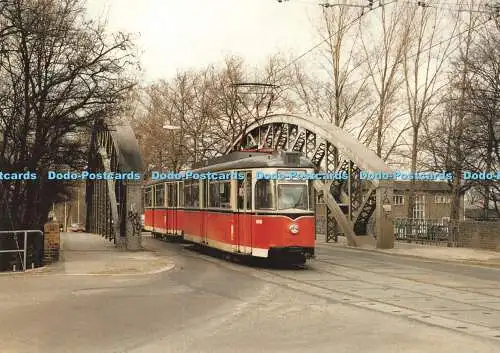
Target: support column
[
  {"x": 52, "y": 242},
  {"x": 383, "y": 216},
  {"x": 133, "y": 227},
  {"x": 109, "y": 190}
]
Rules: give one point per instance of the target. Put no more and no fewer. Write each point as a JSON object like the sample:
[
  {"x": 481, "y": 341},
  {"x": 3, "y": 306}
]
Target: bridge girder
[
  {"x": 114, "y": 206},
  {"x": 350, "y": 203}
]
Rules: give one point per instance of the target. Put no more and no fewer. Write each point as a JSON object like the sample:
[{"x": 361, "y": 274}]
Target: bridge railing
[
  {"x": 20, "y": 249},
  {"x": 427, "y": 231}
]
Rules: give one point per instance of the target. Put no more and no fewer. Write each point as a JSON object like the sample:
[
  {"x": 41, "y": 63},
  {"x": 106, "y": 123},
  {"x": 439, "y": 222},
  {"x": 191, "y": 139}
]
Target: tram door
[
  {"x": 204, "y": 213},
  {"x": 244, "y": 218}
]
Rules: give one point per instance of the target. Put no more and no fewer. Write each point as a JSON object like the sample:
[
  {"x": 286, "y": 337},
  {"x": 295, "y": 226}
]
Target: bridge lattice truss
[
  {"x": 350, "y": 203},
  {"x": 114, "y": 206}
]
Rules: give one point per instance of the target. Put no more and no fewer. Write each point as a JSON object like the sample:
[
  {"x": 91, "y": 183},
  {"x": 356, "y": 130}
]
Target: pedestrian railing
[
  {"x": 20, "y": 249},
  {"x": 426, "y": 231}
]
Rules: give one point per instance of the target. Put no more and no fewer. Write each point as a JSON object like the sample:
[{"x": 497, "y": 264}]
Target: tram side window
[
  {"x": 181, "y": 194},
  {"x": 172, "y": 195},
  {"x": 148, "y": 200},
  {"x": 192, "y": 194},
  {"x": 187, "y": 193},
  {"x": 245, "y": 189},
  {"x": 205, "y": 194},
  {"x": 159, "y": 195},
  {"x": 195, "y": 194},
  {"x": 241, "y": 194},
  {"x": 249, "y": 190},
  {"x": 264, "y": 195},
  {"x": 312, "y": 196},
  {"x": 213, "y": 195},
  {"x": 225, "y": 194}
]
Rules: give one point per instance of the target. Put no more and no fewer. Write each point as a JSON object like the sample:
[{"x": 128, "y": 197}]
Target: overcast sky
[{"x": 183, "y": 34}]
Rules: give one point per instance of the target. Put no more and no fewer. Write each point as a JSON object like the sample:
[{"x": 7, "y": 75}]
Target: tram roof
[
  {"x": 243, "y": 160},
  {"x": 251, "y": 160}
]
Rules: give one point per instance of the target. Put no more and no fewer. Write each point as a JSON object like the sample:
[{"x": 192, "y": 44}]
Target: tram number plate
[{"x": 258, "y": 221}]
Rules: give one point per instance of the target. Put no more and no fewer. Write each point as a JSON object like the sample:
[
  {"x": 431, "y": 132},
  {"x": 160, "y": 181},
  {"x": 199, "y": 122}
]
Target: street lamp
[{"x": 172, "y": 128}]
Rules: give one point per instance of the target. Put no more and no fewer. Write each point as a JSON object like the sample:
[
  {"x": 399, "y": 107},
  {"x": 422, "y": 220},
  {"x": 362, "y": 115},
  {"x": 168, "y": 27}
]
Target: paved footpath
[
  {"x": 91, "y": 254},
  {"x": 430, "y": 252},
  {"x": 100, "y": 300},
  {"x": 85, "y": 254}
]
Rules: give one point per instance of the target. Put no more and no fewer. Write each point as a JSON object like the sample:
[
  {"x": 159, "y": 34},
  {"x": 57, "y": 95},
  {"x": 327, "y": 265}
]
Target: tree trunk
[
  {"x": 414, "y": 153},
  {"x": 455, "y": 197}
]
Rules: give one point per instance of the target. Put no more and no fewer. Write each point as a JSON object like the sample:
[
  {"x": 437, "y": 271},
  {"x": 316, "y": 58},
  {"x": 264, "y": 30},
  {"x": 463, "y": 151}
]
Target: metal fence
[
  {"x": 427, "y": 231},
  {"x": 21, "y": 249}
]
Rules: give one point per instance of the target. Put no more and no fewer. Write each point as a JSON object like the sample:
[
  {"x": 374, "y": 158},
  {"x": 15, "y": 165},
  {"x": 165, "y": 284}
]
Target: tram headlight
[{"x": 293, "y": 228}]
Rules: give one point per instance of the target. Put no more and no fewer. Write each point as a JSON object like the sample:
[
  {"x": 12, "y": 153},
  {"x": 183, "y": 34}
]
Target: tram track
[
  {"x": 289, "y": 281},
  {"x": 364, "y": 269},
  {"x": 366, "y": 302},
  {"x": 420, "y": 293}
]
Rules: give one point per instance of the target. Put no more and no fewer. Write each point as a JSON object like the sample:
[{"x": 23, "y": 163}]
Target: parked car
[{"x": 75, "y": 227}]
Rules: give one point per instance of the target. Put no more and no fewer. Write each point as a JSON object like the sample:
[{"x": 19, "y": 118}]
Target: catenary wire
[{"x": 359, "y": 17}]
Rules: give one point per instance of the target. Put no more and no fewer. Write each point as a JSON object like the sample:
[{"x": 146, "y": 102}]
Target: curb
[
  {"x": 104, "y": 274},
  {"x": 52, "y": 270},
  {"x": 166, "y": 268},
  {"x": 471, "y": 262},
  {"x": 32, "y": 271}
]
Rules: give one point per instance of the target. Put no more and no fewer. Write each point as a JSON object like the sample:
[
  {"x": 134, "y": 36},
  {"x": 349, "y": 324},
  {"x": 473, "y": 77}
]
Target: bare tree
[
  {"x": 383, "y": 63},
  {"x": 188, "y": 104},
  {"x": 424, "y": 59},
  {"x": 60, "y": 73},
  {"x": 161, "y": 148},
  {"x": 447, "y": 140},
  {"x": 483, "y": 103},
  {"x": 266, "y": 100},
  {"x": 236, "y": 107},
  {"x": 208, "y": 109},
  {"x": 342, "y": 98},
  {"x": 343, "y": 63},
  {"x": 230, "y": 110}
]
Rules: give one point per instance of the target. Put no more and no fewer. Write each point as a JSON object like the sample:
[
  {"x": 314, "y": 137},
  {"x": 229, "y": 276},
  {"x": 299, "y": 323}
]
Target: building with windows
[{"x": 432, "y": 200}]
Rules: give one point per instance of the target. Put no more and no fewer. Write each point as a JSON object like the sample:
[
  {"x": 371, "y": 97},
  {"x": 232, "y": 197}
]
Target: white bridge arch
[
  {"x": 350, "y": 203},
  {"x": 114, "y": 206}
]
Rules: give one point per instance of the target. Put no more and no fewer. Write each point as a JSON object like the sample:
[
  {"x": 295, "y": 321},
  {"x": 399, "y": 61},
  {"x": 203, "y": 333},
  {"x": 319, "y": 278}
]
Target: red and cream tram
[{"x": 248, "y": 203}]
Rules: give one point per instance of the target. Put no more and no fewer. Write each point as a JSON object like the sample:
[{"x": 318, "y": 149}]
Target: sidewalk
[
  {"x": 90, "y": 254},
  {"x": 430, "y": 252}
]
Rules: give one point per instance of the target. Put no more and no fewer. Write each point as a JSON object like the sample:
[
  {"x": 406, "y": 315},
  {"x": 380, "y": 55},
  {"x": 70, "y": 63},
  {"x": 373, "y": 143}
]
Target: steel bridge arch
[
  {"x": 350, "y": 203},
  {"x": 114, "y": 207}
]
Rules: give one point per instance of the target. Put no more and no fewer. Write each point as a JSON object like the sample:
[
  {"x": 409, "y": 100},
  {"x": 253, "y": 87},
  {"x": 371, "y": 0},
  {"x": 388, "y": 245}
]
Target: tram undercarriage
[{"x": 292, "y": 255}]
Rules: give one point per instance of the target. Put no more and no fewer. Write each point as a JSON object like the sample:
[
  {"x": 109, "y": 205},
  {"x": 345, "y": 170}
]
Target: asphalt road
[{"x": 344, "y": 301}]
